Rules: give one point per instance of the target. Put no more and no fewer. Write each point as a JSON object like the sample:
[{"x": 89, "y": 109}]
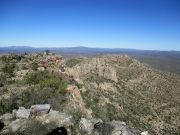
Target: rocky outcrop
[
  {"x": 20, "y": 118},
  {"x": 42, "y": 113},
  {"x": 97, "y": 65}
]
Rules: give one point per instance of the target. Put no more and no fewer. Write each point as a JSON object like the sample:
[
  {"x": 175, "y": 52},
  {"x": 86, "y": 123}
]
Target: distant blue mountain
[
  {"x": 164, "y": 60},
  {"x": 67, "y": 51}
]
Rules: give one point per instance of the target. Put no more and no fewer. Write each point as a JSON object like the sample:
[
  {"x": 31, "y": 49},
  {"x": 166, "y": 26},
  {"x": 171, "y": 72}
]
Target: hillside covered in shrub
[{"x": 101, "y": 95}]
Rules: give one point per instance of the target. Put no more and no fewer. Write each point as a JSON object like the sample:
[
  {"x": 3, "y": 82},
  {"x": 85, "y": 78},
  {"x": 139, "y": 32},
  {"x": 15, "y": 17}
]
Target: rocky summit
[{"x": 46, "y": 94}]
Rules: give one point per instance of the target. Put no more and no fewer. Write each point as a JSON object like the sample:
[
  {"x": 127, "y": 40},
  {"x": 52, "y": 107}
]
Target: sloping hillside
[
  {"x": 106, "y": 94},
  {"x": 122, "y": 88}
]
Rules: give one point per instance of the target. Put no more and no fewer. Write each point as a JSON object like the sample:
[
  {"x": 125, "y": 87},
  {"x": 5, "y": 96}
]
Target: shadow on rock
[
  {"x": 1, "y": 125},
  {"x": 58, "y": 131}
]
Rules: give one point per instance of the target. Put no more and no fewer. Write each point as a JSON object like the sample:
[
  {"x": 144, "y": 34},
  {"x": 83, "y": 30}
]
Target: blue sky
[{"x": 138, "y": 24}]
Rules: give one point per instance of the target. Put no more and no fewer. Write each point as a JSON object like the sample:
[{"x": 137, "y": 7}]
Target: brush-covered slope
[
  {"x": 88, "y": 95},
  {"x": 122, "y": 88}
]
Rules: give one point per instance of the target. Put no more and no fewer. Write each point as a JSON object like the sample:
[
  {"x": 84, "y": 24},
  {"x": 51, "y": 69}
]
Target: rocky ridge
[
  {"x": 106, "y": 94},
  {"x": 121, "y": 83}
]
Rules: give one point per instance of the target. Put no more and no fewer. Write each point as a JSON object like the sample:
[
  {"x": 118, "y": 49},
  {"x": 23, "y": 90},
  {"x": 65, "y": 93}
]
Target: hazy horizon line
[{"x": 86, "y": 47}]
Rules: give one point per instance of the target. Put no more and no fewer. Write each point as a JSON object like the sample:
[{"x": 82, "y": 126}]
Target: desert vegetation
[{"x": 111, "y": 88}]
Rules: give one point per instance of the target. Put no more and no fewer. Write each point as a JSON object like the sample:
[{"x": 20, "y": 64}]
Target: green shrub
[
  {"x": 55, "y": 82},
  {"x": 7, "y": 105},
  {"x": 41, "y": 96},
  {"x": 3, "y": 90},
  {"x": 36, "y": 77},
  {"x": 8, "y": 68},
  {"x": 11, "y": 57},
  {"x": 34, "y": 66},
  {"x": 4, "y": 58},
  {"x": 2, "y": 80},
  {"x": 48, "y": 87},
  {"x": 4, "y": 106},
  {"x": 47, "y": 80}
]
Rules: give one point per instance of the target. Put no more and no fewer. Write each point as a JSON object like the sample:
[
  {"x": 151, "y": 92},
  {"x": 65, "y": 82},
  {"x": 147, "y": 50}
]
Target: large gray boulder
[
  {"x": 40, "y": 109},
  {"x": 22, "y": 113}
]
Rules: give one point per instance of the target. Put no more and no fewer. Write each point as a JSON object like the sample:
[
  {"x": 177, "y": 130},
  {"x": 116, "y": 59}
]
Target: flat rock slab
[{"x": 40, "y": 109}]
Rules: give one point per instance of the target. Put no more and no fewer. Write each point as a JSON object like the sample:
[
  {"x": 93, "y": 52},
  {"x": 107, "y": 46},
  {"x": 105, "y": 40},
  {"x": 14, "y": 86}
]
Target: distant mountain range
[
  {"x": 163, "y": 60},
  {"x": 68, "y": 51}
]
